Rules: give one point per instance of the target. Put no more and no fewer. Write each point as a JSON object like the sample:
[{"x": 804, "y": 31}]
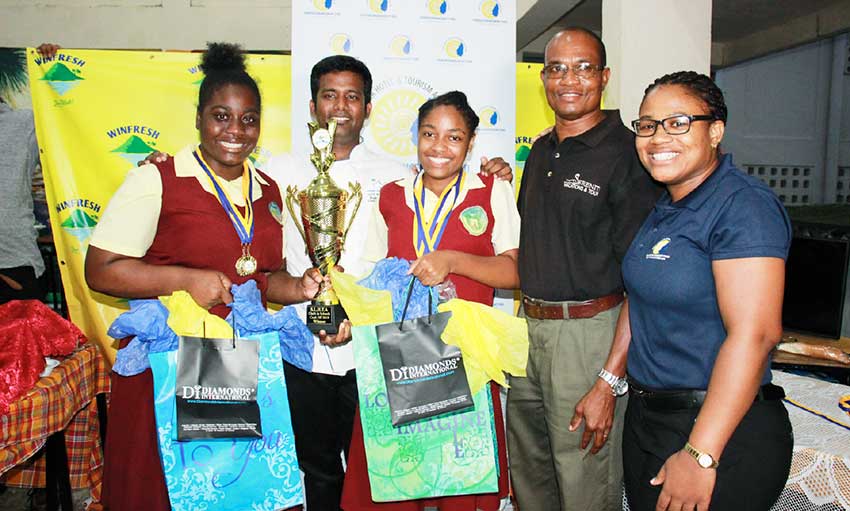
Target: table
[
  {"x": 840, "y": 372},
  {"x": 820, "y": 469},
  {"x": 62, "y": 409}
]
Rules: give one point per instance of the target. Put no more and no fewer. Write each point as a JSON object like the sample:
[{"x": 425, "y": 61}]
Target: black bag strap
[{"x": 407, "y": 302}]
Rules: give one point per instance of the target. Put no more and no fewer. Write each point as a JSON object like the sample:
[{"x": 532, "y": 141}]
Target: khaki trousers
[{"x": 549, "y": 471}]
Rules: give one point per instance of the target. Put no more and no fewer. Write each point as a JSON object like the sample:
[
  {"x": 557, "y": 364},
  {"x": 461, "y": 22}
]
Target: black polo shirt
[{"x": 582, "y": 201}]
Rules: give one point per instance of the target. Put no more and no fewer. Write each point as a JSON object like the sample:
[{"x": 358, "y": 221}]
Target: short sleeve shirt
[
  {"x": 372, "y": 172},
  {"x": 674, "y": 315},
  {"x": 505, "y": 234},
  {"x": 128, "y": 225},
  {"x": 581, "y": 201}
]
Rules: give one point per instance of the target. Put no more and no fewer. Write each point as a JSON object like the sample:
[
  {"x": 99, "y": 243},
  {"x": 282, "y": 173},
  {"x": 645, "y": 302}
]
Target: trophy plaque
[{"x": 322, "y": 224}]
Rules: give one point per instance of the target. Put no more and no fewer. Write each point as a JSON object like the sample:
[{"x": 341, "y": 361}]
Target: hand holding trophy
[{"x": 323, "y": 225}]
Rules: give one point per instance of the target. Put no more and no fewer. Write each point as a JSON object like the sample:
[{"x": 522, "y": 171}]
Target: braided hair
[
  {"x": 224, "y": 64},
  {"x": 456, "y": 99},
  {"x": 698, "y": 85}
]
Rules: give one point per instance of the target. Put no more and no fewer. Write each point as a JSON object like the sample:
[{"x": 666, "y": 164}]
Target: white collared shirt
[{"x": 372, "y": 172}]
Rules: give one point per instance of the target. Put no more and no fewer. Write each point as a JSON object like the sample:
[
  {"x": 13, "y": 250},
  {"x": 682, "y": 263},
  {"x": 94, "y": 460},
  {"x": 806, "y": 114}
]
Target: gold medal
[{"x": 246, "y": 265}]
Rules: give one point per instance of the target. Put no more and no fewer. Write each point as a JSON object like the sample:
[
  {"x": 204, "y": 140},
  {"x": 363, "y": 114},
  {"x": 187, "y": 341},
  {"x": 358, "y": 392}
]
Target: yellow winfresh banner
[
  {"x": 533, "y": 114},
  {"x": 98, "y": 113}
]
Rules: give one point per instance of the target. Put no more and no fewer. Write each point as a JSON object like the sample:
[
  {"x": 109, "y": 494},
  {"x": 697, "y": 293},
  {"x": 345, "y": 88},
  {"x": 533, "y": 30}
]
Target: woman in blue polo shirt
[{"x": 705, "y": 277}]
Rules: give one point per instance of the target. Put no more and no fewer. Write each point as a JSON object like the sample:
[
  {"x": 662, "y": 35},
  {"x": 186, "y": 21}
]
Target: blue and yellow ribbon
[
  {"x": 817, "y": 413},
  {"x": 426, "y": 240},
  {"x": 244, "y": 224}
]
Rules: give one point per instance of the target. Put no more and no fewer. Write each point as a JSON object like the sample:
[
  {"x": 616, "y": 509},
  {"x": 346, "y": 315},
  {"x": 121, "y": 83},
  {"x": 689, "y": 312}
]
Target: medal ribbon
[
  {"x": 427, "y": 240},
  {"x": 244, "y": 224}
]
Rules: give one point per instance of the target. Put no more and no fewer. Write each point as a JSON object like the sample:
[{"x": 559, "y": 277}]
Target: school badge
[{"x": 474, "y": 220}]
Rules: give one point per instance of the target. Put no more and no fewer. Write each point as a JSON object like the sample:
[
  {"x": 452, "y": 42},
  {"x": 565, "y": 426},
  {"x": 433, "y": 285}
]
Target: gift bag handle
[
  {"x": 407, "y": 302},
  {"x": 233, "y": 325}
]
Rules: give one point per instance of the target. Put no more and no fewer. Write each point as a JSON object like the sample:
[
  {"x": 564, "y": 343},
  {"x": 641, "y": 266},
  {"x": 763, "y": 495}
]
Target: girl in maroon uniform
[{"x": 455, "y": 226}]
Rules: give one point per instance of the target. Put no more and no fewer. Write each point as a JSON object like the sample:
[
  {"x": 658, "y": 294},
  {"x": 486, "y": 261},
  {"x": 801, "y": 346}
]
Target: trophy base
[{"x": 321, "y": 316}]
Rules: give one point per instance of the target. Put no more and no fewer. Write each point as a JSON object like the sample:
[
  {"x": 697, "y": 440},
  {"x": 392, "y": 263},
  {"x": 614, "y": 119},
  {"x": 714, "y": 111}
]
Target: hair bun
[{"x": 223, "y": 57}]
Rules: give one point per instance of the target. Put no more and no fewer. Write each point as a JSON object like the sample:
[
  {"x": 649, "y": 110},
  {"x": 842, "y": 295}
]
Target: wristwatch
[
  {"x": 704, "y": 459},
  {"x": 619, "y": 386}
]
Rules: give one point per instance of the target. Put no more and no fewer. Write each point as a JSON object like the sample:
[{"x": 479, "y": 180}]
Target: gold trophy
[{"x": 322, "y": 225}]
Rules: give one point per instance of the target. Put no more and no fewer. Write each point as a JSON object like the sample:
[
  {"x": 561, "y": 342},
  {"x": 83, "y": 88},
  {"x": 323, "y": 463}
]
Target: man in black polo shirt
[{"x": 583, "y": 196}]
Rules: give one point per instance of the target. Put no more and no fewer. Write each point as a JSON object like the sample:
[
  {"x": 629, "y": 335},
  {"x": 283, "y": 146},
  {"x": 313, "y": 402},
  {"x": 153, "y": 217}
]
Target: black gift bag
[
  {"x": 424, "y": 376},
  {"x": 217, "y": 388}
]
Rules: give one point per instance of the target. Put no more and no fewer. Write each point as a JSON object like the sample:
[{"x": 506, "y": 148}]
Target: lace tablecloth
[{"x": 820, "y": 469}]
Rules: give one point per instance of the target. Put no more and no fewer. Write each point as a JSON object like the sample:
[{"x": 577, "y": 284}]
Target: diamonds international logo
[
  {"x": 139, "y": 142},
  {"x": 340, "y": 44}
]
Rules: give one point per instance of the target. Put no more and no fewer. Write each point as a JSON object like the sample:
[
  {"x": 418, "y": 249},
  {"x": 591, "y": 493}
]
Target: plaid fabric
[{"x": 63, "y": 400}]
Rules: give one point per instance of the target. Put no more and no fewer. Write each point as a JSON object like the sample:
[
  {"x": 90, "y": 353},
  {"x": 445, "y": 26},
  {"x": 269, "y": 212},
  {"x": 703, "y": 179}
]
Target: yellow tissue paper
[
  {"x": 491, "y": 341},
  {"x": 188, "y": 318},
  {"x": 363, "y": 306}
]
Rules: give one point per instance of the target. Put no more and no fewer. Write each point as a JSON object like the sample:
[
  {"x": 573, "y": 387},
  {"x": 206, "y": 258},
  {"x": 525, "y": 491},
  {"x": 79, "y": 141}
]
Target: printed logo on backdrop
[
  {"x": 454, "y": 50},
  {"x": 64, "y": 74},
  {"x": 78, "y": 217},
  {"x": 321, "y": 7},
  {"x": 489, "y": 11},
  {"x": 260, "y": 156},
  {"x": 490, "y": 119},
  {"x": 523, "y": 148},
  {"x": 196, "y": 74},
  {"x": 400, "y": 47},
  {"x": 134, "y": 141},
  {"x": 340, "y": 44},
  {"x": 395, "y": 107},
  {"x": 437, "y": 10},
  {"x": 379, "y": 9},
  {"x": 657, "y": 251}
]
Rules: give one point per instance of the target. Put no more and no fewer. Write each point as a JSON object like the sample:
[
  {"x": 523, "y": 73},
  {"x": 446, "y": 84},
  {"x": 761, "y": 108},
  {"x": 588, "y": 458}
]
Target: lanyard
[
  {"x": 427, "y": 240},
  {"x": 244, "y": 224}
]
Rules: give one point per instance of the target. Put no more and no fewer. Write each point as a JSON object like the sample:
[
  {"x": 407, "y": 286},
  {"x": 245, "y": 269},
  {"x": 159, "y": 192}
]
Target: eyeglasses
[
  {"x": 583, "y": 70},
  {"x": 675, "y": 125}
]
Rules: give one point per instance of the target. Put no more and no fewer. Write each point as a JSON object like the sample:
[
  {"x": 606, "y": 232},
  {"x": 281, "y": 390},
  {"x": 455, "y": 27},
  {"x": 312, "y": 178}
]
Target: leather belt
[
  {"x": 671, "y": 400},
  {"x": 541, "y": 309}
]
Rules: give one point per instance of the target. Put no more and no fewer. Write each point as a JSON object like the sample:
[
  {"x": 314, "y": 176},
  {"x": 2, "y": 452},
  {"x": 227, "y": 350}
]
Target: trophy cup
[{"x": 322, "y": 225}]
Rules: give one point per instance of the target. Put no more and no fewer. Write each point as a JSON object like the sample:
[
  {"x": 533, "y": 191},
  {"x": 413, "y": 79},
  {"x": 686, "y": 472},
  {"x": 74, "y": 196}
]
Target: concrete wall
[
  {"x": 146, "y": 24},
  {"x": 789, "y": 121}
]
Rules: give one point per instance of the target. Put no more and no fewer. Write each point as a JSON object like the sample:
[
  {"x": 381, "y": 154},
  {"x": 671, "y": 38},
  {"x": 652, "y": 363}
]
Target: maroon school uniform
[
  {"x": 193, "y": 231},
  {"x": 356, "y": 494}
]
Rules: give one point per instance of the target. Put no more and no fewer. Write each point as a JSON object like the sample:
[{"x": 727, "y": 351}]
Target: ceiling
[{"x": 736, "y": 25}]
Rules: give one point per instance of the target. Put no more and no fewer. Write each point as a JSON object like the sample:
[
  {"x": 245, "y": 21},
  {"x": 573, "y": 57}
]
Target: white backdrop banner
[{"x": 415, "y": 49}]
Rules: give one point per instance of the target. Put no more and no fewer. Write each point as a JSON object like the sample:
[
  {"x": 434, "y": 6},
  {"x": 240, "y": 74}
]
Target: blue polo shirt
[{"x": 675, "y": 320}]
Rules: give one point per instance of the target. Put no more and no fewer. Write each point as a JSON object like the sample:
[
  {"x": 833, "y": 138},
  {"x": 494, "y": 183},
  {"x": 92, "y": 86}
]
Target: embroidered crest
[
  {"x": 474, "y": 219},
  {"x": 274, "y": 209},
  {"x": 657, "y": 251}
]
